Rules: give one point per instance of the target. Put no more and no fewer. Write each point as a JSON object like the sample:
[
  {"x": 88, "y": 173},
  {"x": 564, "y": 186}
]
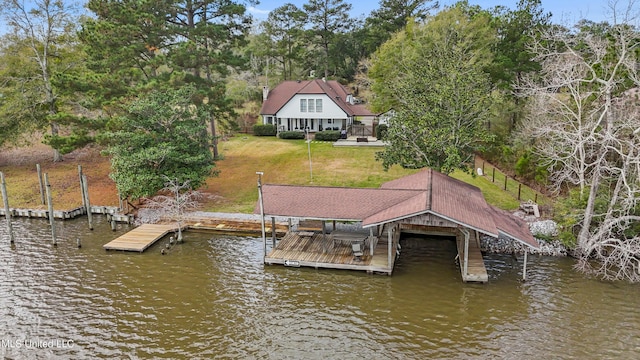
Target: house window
[
  {"x": 303, "y": 105},
  {"x": 311, "y": 105},
  {"x": 318, "y": 105}
]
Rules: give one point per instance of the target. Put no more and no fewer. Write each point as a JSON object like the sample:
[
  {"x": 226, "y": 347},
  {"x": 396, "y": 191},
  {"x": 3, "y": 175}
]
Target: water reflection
[{"x": 213, "y": 297}]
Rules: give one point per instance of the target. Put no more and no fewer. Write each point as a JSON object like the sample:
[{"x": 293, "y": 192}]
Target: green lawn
[{"x": 287, "y": 162}]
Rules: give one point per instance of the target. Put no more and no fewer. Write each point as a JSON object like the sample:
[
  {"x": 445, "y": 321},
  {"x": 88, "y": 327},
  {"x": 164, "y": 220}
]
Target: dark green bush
[
  {"x": 329, "y": 135},
  {"x": 264, "y": 130},
  {"x": 291, "y": 135},
  {"x": 381, "y": 131}
]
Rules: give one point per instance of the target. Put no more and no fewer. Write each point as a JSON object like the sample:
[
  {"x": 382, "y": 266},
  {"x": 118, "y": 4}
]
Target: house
[
  {"x": 312, "y": 105},
  {"x": 427, "y": 202}
]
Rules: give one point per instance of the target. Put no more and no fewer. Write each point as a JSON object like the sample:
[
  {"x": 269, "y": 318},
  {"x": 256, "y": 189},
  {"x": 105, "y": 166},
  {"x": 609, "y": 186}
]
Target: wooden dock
[
  {"x": 140, "y": 238},
  {"x": 476, "y": 271},
  {"x": 311, "y": 249}
]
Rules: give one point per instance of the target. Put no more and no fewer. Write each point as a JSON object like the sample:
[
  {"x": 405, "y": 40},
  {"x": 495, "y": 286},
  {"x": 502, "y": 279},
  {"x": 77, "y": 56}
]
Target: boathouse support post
[
  {"x": 39, "y": 171},
  {"x": 325, "y": 242},
  {"x": 85, "y": 200},
  {"x": 371, "y": 241},
  {"x": 273, "y": 230},
  {"x": 50, "y": 208},
  {"x": 524, "y": 266},
  {"x": 465, "y": 265},
  {"x": 389, "y": 244},
  {"x": 7, "y": 212},
  {"x": 260, "y": 200}
]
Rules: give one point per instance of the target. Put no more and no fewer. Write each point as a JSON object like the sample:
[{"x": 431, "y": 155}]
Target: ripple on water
[{"x": 213, "y": 297}]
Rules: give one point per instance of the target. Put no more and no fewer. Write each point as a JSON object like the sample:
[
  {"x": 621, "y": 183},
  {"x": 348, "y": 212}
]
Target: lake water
[{"x": 212, "y": 297}]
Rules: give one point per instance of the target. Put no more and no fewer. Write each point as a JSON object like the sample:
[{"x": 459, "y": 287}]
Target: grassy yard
[{"x": 235, "y": 189}]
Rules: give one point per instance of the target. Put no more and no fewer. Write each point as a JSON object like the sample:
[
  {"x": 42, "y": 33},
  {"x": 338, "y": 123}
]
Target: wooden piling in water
[
  {"x": 50, "y": 207},
  {"x": 85, "y": 200},
  {"x": 7, "y": 212},
  {"x": 81, "y": 186},
  {"x": 39, "y": 171}
]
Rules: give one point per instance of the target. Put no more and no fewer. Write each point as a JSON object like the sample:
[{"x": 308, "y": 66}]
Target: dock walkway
[{"x": 140, "y": 238}]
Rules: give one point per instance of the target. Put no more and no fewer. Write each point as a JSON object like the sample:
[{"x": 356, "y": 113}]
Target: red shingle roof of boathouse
[{"x": 426, "y": 192}]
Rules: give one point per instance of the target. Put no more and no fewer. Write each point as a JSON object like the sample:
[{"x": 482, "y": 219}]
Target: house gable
[
  {"x": 286, "y": 92},
  {"x": 330, "y": 110}
]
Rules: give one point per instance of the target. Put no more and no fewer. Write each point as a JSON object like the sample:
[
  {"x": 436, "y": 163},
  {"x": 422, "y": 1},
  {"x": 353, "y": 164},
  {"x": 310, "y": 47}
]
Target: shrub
[
  {"x": 381, "y": 131},
  {"x": 329, "y": 135},
  {"x": 264, "y": 130},
  {"x": 292, "y": 135}
]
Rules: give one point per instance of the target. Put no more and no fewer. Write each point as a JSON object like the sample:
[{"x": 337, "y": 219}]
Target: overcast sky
[{"x": 563, "y": 11}]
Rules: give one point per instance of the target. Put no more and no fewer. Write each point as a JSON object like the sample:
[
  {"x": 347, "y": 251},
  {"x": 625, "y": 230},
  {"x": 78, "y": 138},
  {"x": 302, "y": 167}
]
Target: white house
[{"x": 312, "y": 105}]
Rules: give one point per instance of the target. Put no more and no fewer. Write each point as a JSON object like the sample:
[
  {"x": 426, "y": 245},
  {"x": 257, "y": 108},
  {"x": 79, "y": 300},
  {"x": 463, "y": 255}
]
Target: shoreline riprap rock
[{"x": 541, "y": 230}]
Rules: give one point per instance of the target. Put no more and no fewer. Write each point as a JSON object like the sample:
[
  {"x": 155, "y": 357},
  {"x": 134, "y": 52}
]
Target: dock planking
[
  {"x": 140, "y": 238},
  {"x": 320, "y": 251}
]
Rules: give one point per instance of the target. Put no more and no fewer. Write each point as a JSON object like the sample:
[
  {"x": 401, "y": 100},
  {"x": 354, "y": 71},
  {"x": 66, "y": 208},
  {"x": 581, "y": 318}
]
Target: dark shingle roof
[
  {"x": 285, "y": 91},
  {"x": 427, "y": 191}
]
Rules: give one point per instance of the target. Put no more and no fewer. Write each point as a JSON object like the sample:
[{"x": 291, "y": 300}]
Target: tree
[
  {"x": 174, "y": 200},
  {"x": 327, "y": 18},
  {"x": 18, "y": 115},
  {"x": 431, "y": 75},
  {"x": 392, "y": 16},
  {"x": 138, "y": 46},
  {"x": 585, "y": 122},
  {"x": 40, "y": 47},
  {"x": 513, "y": 57},
  {"x": 162, "y": 135},
  {"x": 284, "y": 30}
]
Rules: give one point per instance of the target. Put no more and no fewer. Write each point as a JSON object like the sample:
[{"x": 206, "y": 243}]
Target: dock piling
[
  {"x": 39, "y": 170},
  {"x": 85, "y": 200},
  {"x": 50, "y": 207},
  {"x": 7, "y": 212}
]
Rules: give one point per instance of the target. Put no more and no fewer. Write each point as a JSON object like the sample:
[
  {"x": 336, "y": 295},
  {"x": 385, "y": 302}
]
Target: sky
[{"x": 565, "y": 12}]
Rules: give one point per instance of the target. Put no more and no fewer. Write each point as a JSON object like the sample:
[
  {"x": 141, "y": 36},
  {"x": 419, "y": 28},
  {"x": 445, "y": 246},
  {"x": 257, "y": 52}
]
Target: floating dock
[{"x": 140, "y": 238}]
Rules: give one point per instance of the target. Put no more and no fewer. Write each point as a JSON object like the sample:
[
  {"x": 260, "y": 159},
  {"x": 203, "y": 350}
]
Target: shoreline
[{"x": 244, "y": 223}]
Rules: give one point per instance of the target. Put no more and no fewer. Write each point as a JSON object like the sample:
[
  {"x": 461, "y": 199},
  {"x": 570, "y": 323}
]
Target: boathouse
[{"x": 427, "y": 202}]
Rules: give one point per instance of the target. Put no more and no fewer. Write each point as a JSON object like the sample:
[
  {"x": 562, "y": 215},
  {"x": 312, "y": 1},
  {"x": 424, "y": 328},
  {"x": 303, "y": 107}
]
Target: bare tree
[
  {"x": 175, "y": 200},
  {"x": 585, "y": 122}
]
